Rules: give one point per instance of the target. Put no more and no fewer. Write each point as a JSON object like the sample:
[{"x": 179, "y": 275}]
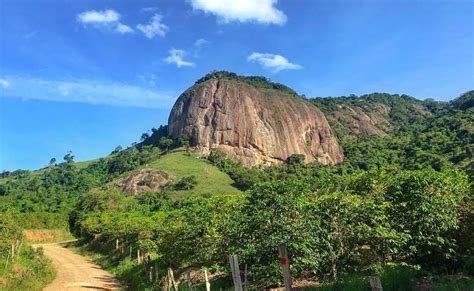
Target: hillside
[
  {"x": 380, "y": 129},
  {"x": 209, "y": 179}
]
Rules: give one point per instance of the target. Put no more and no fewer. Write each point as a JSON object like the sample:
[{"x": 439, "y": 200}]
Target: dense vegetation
[
  {"x": 424, "y": 133},
  {"x": 22, "y": 267},
  {"x": 400, "y": 206}
]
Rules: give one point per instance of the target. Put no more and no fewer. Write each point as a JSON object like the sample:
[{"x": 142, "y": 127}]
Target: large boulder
[{"x": 252, "y": 124}]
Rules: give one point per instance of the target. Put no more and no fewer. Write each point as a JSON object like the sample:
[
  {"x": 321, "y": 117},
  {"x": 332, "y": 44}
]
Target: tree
[
  {"x": 424, "y": 206},
  {"x": 145, "y": 136},
  {"x": 355, "y": 232},
  {"x": 69, "y": 158},
  {"x": 275, "y": 213},
  {"x": 117, "y": 149},
  {"x": 183, "y": 141},
  {"x": 52, "y": 162},
  {"x": 295, "y": 159},
  {"x": 165, "y": 143}
]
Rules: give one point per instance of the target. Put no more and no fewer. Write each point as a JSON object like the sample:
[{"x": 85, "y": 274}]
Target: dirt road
[{"x": 76, "y": 272}]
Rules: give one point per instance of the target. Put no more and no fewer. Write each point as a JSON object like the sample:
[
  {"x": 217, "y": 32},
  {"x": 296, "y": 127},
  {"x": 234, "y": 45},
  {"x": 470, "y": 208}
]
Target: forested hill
[{"x": 382, "y": 129}]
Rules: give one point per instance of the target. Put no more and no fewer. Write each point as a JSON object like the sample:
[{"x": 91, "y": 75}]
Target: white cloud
[
  {"x": 105, "y": 19},
  {"x": 154, "y": 27},
  {"x": 88, "y": 91},
  {"x": 122, "y": 28},
  {"x": 92, "y": 16},
  {"x": 149, "y": 9},
  {"x": 261, "y": 11},
  {"x": 275, "y": 63},
  {"x": 4, "y": 83},
  {"x": 200, "y": 42},
  {"x": 177, "y": 57}
]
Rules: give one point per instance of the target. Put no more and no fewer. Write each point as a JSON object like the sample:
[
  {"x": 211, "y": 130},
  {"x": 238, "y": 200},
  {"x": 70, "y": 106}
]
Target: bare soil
[{"x": 76, "y": 272}]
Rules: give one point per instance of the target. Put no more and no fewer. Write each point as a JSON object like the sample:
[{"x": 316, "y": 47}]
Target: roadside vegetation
[{"x": 21, "y": 266}]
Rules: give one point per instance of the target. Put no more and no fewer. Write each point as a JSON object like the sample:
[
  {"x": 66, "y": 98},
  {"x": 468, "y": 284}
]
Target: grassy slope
[{"x": 210, "y": 179}]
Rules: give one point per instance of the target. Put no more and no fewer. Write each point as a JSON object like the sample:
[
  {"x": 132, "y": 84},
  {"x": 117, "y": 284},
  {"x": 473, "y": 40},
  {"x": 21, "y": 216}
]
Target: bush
[{"x": 186, "y": 183}]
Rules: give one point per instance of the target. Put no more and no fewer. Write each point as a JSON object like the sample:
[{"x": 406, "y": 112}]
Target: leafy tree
[
  {"x": 69, "y": 158},
  {"x": 165, "y": 143},
  {"x": 183, "y": 141},
  {"x": 424, "y": 206},
  {"x": 275, "y": 213},
  {"x": 295, "y": 159},
  {"x": 52, "y": 162},
  {"x": 355, "y": 232}
]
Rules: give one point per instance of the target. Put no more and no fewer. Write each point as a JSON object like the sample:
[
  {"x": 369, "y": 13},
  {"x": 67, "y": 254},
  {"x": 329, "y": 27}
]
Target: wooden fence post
[
  {"x": 188, "y": 278},
  {"x": 116, "y": 243},
  {"x": 284, "y": 262},
  {"x": 157, "y": 277},
  {"x": 206, "y": 277},
  {"x": 19, "y": 249},
  {"x": 171, "y": 279},
  {"x": 245, "y": 278},
  {"x": 150, "y": 274},
  {"x": 6, "y": 261},
  {"x": 130, "y": 252},
  {"x": 375, "y": 283},
  {"x": 138, "y": 256},
  {"x": 234, "y": 267}
]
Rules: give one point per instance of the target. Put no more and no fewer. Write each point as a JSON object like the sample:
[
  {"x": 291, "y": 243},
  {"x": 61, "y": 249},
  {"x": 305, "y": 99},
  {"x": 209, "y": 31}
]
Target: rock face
[
  {"x": 145, "y": 180},
  {"x": 251, "y": 124},
  {"x": 363, "y": 120}
]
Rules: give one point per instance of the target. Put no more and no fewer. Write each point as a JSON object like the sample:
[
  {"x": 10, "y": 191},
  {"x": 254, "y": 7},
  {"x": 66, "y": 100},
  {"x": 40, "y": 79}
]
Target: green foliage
[
  {"x": 275, "y": 213},
  {"x": 69, "y": 158},
  {"x": 356, "y": 232},
  {"x": 186, "y": 183},
  {"x": 425, "y": 207},
  {"x": 256, "y": 81},
  {"x": 424, "y": 133},
  {"x": 30, "y": 270},
  {"x": 295, "y": 159},
  {"x": 398, "y": 276},
  {"x": 464, "y": 102},
  {"x": 210, "y": 181},
  {"x": 165, "y": 143},
  {"x": 243, "y": 177}
]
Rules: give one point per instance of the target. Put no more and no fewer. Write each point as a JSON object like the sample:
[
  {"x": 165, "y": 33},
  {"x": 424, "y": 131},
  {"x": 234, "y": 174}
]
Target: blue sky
[{"x": 87, "y": 76}]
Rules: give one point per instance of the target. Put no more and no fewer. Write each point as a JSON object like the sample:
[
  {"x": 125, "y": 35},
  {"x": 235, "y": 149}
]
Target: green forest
[{"x": 399, "y": 207}]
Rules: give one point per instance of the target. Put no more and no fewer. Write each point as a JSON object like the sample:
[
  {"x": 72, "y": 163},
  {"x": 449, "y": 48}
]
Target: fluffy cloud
[
  {"x": 107, "y": 19},
  {"x": 261, "y": 11},
  {"x": 88, "y": 91},
  {"x": 200, "y": 42},
  {"x": 4, "y": 83},
  {"x": 153, "y": 28},
  {"x": 92, "y": 16},
  {"x": 275, "y": 63},
  {"x": 122, "y": 28},
  {"x": 177, "y": 57}
]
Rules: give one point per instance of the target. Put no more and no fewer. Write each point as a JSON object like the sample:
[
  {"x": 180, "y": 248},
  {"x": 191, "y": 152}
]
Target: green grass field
[{"x": 210, "y": 179}]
